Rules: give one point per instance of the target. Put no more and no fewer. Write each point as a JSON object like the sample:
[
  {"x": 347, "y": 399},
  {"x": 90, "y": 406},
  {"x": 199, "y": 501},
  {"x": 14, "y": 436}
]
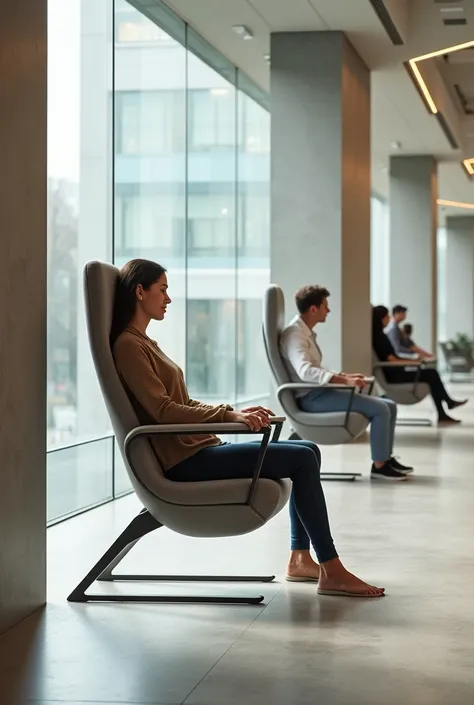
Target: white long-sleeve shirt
[{"x": 302, "y": 355}]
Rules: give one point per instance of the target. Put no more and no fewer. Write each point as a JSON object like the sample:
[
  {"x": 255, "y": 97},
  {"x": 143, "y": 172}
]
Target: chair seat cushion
[
  {"x": 356, "y": 423},
  {"x": 210, "y": 493},
  {"x": 406, "y": 393},
  {"x": 216, "y": 508}
]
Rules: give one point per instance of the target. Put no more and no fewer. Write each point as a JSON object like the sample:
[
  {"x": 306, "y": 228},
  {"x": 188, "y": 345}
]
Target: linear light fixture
[
  {"x": 423, "y": 87},
  {"x": 417, "y": 74},
  {"x": 469, "y": 166},
  {"x": 455, "y": 204},
  {"x": 447, "y": 50}
]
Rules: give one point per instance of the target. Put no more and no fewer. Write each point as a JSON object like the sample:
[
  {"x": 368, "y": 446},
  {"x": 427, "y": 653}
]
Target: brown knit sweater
[{"x": 155, "y": 386}]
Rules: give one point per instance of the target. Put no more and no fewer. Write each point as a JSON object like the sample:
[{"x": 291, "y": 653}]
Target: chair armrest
[
  {"x": 412, "y": 363},
  {"x": 181, "y": 429},
  {"x": 203, "y": 428},
  {"x": 295, "y": 386},
  {"x": 369, "y": 381}
]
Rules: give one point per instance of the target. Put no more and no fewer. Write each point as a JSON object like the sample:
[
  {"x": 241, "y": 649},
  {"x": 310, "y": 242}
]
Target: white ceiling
[{"x": 398, "y": 113}]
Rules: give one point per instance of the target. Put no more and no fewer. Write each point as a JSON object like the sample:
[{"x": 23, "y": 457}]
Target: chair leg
[{"x": 140, "y": 526}]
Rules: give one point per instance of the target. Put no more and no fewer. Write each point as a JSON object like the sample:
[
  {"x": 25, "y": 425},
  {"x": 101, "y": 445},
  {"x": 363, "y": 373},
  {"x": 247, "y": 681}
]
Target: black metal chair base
[
  {"x": 340, "y": 476},
  {"x": 413, "y": 421},
  {"x": 130, "y": 577},
  {"x": 144, "y": 523},
  {"x": 176, "y": 599}
]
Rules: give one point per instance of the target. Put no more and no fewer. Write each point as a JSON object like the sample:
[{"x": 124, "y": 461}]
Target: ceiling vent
[{"x": 454, "y": 21}]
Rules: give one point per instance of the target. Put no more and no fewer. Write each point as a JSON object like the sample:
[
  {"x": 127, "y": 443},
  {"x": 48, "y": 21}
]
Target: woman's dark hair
[
  {"x": 135, "y": 272},
  {"x": 378, "y": 314},
  {"x": 408, "y": 329}
]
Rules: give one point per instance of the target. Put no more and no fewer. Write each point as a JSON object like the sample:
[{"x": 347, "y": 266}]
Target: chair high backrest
[
  {"x": 378, "y": 371},
  {"x": 100, "y": 282},
  {"x": 273, "y": 325}
]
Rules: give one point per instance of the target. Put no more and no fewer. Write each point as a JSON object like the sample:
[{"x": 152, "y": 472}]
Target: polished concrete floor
[{"x": 415, "y": 647}]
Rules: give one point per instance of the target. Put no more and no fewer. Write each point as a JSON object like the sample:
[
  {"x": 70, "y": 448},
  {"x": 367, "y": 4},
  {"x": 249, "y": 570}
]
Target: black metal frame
[
  {"x": 144, "y": 523},
  {"x": 408, "y": 420},
  {"x": 329, "y": 476}
]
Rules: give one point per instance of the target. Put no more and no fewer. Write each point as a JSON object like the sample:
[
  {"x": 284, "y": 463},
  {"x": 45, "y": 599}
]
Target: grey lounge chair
[
  {"x": 328, "y": 428},
  {"x": 202, "y": 509},
  {"x": 405, "y": 394},
  {"x": 457, "y": 363}
]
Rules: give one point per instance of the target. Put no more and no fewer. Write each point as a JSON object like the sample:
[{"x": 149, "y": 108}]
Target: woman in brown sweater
[{"x": 156, "y": 388}]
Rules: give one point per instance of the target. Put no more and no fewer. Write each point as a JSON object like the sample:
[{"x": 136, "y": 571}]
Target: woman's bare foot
[
  {"x": 302, "y": 568},
  {"x": 336, "y": 580}
]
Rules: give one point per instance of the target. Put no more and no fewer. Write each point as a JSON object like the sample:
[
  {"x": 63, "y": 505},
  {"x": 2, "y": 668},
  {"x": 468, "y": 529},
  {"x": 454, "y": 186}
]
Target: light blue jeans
[{"x": 382, "y": 414}]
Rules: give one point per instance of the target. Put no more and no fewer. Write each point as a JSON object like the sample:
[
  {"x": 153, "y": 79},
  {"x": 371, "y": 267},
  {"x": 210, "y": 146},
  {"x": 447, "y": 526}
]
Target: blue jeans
[
  {"x": 298, "y": 460},
  {"x": 382, "y": 414}
]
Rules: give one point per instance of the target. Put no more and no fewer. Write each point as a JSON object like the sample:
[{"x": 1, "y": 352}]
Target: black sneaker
[
  {"x": 455, "y": 404},
  {"x": 294, "y": 437},
  {"x": 387, "y": 472},
  {"x": 406, "y": 469}
]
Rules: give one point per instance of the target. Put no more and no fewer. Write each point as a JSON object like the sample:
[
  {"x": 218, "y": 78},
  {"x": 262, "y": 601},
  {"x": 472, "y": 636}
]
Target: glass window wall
[{"x": 158, "y": 148}]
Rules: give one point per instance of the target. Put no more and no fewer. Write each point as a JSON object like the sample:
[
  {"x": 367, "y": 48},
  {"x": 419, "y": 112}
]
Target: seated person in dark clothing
[
  {"x": 407, "y": 342},
  {"x": 399, "y": 374},
  {"x": 399, "y": 342},
  {"x": 407, "y": 330}
]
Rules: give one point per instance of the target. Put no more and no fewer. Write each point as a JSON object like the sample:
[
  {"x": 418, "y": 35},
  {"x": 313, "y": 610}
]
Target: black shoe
[
  {"x": 456, "y": 404},
  {"x": 388, "y": 473},
  {"x": 294, "y": 437},
  {"x": 399, "y": 466},
  {"x": 448, "y": 421}
]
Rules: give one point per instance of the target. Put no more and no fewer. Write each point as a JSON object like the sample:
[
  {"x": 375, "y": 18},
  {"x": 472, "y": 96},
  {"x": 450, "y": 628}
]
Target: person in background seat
[
  {"x": 404, "y": 348},
  {"x": 399, "y": 374},
  {"x": 304, "y": 361},
  {"x": 408, "y": 343}
]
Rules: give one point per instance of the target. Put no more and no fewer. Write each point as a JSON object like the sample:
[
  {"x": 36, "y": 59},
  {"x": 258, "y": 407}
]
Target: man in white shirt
[{"x": 304, "y": 361}]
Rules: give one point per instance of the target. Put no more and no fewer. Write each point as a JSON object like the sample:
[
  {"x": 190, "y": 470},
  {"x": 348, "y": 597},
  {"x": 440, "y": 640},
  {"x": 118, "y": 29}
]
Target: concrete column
[
  {"x": 413, "y": 250},
  {"x": 22, "y": 309},
  {"x": 320, "y": 185},
  {"x": 459, "y": 275}
]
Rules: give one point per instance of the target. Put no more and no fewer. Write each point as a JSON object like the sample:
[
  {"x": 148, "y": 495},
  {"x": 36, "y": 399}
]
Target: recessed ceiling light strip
[{"x": 455, "y": 204}]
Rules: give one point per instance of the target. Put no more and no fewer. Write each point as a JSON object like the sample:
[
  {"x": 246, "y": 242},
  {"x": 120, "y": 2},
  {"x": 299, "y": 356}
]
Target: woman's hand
[
  {"x": 255, "y": 420},
  {"x": 259, "y": 410}
]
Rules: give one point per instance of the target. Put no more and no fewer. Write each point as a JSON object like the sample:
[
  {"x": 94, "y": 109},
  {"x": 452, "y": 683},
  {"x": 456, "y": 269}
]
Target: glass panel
[
  {"x": 211, "y": 235},
  {"x": 199, "y": 48},
  {"x": 379, "y": 252},
  {"x": 442, "y": 298},
  {"x": 253, "y": 273},
  {"x": 79, "y": 477},
  {"x": 150, "y": 172},
  {"x": 79, "y": 216}
]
